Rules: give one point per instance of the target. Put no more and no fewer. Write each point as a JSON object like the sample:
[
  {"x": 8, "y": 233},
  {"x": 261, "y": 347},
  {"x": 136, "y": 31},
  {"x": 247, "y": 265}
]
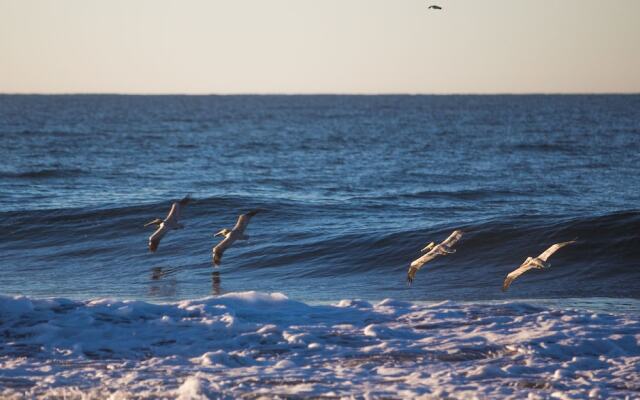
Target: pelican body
[
  {"x": 231, "y": 235},
  {"x": 433, "y": 250},
  {"x": 530, "y": 263},
  {"x": 165, "y": 225}
]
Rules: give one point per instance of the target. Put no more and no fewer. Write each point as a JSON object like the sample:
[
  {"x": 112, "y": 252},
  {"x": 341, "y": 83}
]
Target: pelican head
[
  {"x": 428, "y": 247},
  {"x": 155, "y": 222},
  {"x": 223, "y": 232}
]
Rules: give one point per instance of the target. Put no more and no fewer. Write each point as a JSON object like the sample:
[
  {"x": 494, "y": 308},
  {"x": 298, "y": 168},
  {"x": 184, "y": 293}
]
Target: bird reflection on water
[
  {"x": 215, "y": 282},
  {"x": 161, "y": 287},
  {"x": 164, "y": 283}
]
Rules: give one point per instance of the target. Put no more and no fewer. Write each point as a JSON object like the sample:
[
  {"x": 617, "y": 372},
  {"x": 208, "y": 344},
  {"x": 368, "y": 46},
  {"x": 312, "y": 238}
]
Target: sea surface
[{"x": 316, "y": 302}]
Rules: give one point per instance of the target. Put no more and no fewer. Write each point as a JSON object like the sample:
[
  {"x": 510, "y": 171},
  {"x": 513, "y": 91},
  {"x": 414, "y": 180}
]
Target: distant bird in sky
[
  {"x": 167, "y": 224},
  {"x": 539, "y": 262},
  {"x": 433, "y": 251},
  {"x": 434, "y": 7},
  {"x": 231, "y": 235}
]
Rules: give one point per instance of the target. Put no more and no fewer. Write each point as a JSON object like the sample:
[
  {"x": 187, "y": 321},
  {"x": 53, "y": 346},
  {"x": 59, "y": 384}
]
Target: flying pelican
[
  {"x": 539, "y": 262},
  {"x": 167, "y": 224},
  {"x": 433, "y": 251},
  {"x": 231, "y": 235},
  {"x": 435, "y": 8}
]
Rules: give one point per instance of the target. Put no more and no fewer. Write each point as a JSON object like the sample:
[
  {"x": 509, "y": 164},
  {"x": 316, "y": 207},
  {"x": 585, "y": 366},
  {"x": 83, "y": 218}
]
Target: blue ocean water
[{"x": 353, "y": 188}]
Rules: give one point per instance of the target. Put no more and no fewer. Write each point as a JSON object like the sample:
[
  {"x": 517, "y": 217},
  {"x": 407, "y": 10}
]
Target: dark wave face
[{"x": 353, "y": 188}]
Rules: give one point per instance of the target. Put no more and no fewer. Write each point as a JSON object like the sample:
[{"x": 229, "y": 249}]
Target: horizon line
[{"x": 322, "y": 94}]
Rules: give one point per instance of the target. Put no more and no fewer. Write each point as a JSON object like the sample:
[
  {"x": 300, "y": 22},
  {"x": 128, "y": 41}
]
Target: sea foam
[{"x": 266, "y": 344}]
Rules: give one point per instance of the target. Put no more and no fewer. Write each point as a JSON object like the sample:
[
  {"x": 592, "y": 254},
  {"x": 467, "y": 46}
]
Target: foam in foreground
[{"x": 254, "y": 343}]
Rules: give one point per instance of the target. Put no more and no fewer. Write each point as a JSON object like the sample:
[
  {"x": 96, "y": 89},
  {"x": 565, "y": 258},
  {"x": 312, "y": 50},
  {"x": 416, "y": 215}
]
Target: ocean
[{"x": 316, "y": 303}]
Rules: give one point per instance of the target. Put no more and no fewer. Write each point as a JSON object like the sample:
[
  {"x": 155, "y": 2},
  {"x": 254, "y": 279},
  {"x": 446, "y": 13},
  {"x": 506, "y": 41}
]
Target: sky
[{"x": 321, "y": 46}]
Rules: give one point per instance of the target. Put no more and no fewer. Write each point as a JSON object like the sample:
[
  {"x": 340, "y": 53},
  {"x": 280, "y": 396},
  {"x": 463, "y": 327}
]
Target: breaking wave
[{"x": 602, "y": 263}]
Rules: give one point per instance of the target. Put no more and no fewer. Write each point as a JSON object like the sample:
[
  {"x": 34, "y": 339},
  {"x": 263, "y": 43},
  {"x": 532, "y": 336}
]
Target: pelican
[
  {"x": 165, "y": 225},
  {"x": 435, "y": 8},
  {"x": 433, "y": 251},
  {"x": 539, "y": 262},
  {"x": 231, "y": 235}
]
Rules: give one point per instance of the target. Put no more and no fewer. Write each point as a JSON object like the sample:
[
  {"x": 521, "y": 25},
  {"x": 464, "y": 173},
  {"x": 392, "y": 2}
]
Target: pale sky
[{"x": 321, "y": 46}]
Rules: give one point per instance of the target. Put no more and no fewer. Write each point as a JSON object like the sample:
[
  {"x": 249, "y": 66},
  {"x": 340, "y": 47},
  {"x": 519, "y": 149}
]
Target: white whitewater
[{"x": 250, "y": 343}]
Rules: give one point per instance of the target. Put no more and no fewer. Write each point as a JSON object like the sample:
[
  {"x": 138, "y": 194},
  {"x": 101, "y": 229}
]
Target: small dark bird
[{"x": 435, "y": 8}]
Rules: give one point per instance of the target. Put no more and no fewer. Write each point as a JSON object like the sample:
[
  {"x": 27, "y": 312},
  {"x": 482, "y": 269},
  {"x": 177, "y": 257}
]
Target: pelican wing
[
  {"x": 185, "y": 200},
  {"x": 243, "y": 221},
  {"x": 154, "y": 239},
  {"x": 511, "y": 276},
  {"x": 411, "y": 274},
  {"x": 452, "y": 239},
  {"x": 218, "y": 251},
  {"x": 419, "y": 263},
  {"x": 174, "y": 214},
  {"x": 549, "y": 252}
]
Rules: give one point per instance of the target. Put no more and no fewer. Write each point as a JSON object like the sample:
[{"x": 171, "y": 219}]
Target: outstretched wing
[
  {"x": 154, "y": 239},
  {"x": 452, "y": 239},
  {"x": 185, "y": 200},
  {"x": 243, "y": 221},
  {"x": 419, "y": 263},
  {"x": 218, "y": 251},
  {"x": 217, "y": 255},
  {"x": 174, "y": 214},
  {"x": 549, "y": 252},
  {"x": 411, "y": 274},
  {"x": 511, "y": 276}
]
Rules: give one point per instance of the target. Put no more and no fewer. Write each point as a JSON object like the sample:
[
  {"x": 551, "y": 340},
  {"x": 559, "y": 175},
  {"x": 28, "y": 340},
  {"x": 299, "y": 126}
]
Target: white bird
[
  {"x": 433, "y": 251},
  {"x": 539, "y": 262},
  {"x": 231, "y": 235},
  {"x": 165, "y": 225}
]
